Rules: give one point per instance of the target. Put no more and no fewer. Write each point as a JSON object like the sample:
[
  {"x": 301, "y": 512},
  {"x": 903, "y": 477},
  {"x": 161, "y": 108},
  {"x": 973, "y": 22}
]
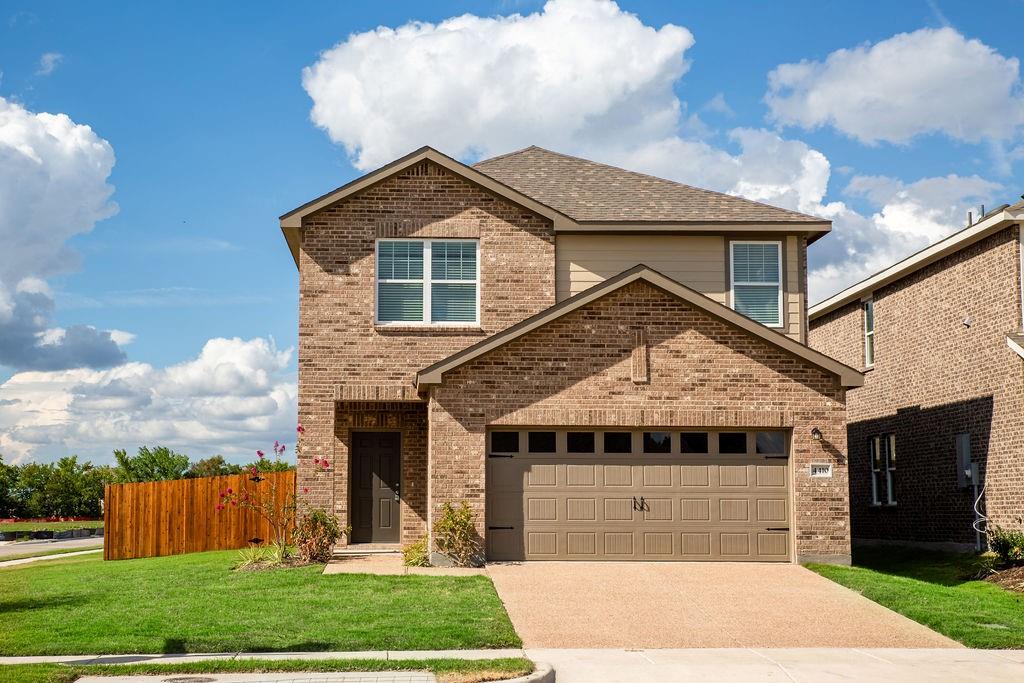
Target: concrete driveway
[{"x": 695, "y": 605}]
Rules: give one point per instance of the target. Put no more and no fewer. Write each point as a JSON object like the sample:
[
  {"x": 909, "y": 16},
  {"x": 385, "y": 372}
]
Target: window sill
[
  {"x": 883, "y": 505},
  {"x": 429, "y": 329}
]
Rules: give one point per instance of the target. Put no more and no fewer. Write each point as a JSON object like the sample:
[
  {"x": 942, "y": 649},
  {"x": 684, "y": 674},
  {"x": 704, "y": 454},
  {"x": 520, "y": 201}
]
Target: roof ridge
[
  {"x": 508, "y": 154},
  {"x": 657, "y": 178}
]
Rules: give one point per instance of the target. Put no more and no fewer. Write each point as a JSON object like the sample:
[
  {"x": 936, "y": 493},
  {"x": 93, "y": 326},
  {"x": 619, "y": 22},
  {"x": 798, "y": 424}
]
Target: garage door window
[
  {"x": 618, "y": 442},
  {"x": 541, "y": 442},
  {"x": 771, "y": 443},
  {"x": 579, "y": 442},
  {"x": 657, "y": 442},
  {"x": 693, "y": 442},
  {"x": 732, "y": 442},
  {"x": 504, "y": 442}
]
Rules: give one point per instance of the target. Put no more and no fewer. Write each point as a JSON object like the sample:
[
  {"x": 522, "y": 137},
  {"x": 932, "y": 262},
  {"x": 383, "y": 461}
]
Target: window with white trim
[
  {"x": 883, "y": 469},
  {"x": 428, "y": 282},
  {"x": 869, "y": 333},
  {"x": 756, "y": 274}
]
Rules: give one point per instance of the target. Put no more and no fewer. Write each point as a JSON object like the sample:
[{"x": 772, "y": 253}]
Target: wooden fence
[{"x": 174, "y": 517}]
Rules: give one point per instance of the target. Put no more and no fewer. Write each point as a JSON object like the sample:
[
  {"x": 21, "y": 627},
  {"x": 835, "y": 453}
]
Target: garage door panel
[
  {"x": 633, "y": 506},
  {"x": 618, "y": 475},
  {"x": 618, "y": 509}
]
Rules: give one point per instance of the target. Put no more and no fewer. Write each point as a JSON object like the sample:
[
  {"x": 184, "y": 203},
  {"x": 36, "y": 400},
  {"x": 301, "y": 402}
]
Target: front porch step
[{"x": 368, "y": 549}]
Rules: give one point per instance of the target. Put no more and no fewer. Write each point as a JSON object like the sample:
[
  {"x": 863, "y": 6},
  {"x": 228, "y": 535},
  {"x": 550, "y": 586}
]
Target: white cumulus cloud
[
  {"x": 907, "y": 218},
  {"x": 53, "y": 185},
  {"x": 572, "y": 74},
  {"x": 928, "y": 81},
  {"x": 232, "y": 398}
]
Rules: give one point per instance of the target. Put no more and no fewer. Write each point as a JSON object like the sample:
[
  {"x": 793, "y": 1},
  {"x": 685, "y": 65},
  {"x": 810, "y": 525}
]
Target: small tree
[
  {"x": 151, "y": 464},
  {"x": 215, "y": 466},
  {"x": 279, "y": 515}
]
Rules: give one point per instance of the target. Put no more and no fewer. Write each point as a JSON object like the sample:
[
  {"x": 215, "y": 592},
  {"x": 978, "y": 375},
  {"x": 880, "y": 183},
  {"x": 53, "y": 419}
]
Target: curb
[{"x": 542, "y": 673}]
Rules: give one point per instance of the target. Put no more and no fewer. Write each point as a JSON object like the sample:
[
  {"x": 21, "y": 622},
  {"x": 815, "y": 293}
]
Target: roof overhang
[
  {"x": 434, "y": 374},
  {"x": 813, "y": 230},
  {"x": 863, "y": 289},
  {"x": 291, "y": 222}
]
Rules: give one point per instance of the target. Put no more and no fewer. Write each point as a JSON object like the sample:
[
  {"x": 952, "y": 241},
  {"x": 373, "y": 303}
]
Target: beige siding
[
  {"x": 697, "y": 261},
  {"x": 791, "y": 294}
]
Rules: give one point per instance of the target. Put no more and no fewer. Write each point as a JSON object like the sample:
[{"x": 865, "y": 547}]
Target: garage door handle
[{"x": 777, "y": 528}]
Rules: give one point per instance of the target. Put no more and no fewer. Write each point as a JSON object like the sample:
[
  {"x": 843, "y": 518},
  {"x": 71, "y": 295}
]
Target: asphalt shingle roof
[{"x": 587, "y": 191}]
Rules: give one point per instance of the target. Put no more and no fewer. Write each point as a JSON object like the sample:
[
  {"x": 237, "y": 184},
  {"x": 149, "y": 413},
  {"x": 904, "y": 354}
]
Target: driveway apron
[{"x": 695, "y": 605}]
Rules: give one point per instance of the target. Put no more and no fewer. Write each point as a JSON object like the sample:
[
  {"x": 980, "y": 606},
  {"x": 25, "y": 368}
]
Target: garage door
[{"x": 670, "y": 494}]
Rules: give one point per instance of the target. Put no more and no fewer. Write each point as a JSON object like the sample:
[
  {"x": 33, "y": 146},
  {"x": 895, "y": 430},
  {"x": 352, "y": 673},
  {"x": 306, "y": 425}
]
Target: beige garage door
[{"x": 667, "y": 494}]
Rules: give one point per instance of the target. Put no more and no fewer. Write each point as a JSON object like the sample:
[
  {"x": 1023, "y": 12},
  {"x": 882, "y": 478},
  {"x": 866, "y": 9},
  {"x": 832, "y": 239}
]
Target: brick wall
[
  {"x": 578, "y": 370},
  {"x": 934, "y": 378},
  {"x": 343, "y": 356}
]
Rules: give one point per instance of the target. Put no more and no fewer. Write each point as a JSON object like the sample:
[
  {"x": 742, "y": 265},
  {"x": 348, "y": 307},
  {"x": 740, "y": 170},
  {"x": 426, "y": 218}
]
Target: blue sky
[{"x": 204, "y": 107}]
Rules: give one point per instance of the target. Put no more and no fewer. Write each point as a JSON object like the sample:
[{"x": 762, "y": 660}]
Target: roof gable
[
  {"x": 434, "y": 374},
  {"x": 291, "y": 222},
  {"x": 590, "y": 192}
]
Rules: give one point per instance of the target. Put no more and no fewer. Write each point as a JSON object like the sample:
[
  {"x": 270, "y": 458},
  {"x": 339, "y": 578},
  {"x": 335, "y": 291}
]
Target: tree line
[{"x": 69, "y": 488}]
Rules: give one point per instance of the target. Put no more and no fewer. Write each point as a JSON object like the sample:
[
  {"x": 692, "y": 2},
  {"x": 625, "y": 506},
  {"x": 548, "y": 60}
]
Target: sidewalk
[
  {"x": 185, "y": 658},
  {"x": 22, "y": 547},
  {"x": 808, "y": 665},
  {"x": 60, "y": 556}
]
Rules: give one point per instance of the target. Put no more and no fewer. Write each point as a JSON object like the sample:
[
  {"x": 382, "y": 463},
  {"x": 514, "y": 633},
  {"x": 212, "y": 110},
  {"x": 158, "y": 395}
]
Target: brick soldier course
[{"x": 697, "y": 369}]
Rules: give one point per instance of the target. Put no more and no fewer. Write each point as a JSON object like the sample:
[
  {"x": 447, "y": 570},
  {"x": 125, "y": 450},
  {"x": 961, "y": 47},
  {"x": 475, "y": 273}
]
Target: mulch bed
[{"x": 1011, "y": 579}]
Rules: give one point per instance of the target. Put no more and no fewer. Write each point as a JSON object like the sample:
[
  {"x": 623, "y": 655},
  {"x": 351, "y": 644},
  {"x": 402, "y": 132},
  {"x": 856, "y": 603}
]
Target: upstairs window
[
  {"x": 756, "y": 270},
  {"x": 428, "y": 282},
  {"x": 883, "y": 470},
  {"x": 869, "y": 333}
]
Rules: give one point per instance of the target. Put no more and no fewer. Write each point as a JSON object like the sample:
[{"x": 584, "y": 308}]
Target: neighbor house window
[
  {"x": 869, "y": 333},
  {"x": 883, "y": 470},
  {"x": 428, "y": 281},
  {"x": 756, "y": 271}
]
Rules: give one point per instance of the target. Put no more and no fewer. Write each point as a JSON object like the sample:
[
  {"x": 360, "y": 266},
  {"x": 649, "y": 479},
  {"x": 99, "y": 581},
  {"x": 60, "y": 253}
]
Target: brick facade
[
  {"x": 935, "y": 377},
  {"x": 579, "y": 370},
  {"x": 345, "y": 358}
]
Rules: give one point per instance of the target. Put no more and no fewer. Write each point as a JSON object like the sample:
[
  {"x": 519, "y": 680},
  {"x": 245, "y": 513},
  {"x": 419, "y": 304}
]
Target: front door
[{"x": 376, "y": 468}]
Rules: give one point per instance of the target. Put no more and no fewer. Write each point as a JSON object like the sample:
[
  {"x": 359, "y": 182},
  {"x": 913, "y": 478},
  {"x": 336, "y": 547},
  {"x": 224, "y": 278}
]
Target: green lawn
[
  {"x": 195, "y": 603},
  {"x": 445, "y": 669},
  {"x": 49, "y": 526},
  {"x": 936, "y": 590},
  {"x": 43, "y": 553}
]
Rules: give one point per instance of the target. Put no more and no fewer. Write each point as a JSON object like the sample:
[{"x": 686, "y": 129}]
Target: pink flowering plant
[{"x": 265, "y": 496}]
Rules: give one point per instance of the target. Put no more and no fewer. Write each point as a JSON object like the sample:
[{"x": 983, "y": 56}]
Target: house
[
  {"x": 938, "y": 422},
  {"x": 604, "y": 365}
]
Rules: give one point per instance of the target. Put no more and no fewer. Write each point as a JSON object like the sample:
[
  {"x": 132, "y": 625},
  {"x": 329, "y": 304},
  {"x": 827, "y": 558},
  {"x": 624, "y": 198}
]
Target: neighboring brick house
[
  {"x": 562, "y": 345},
  {"x": 938, "y": 338}
]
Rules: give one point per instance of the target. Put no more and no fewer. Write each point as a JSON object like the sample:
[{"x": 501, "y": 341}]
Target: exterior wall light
[{"x": 816, "y": 434}]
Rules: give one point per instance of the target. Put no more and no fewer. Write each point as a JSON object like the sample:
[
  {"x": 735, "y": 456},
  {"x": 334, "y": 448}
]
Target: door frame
[{"x": 351, "y": 483}]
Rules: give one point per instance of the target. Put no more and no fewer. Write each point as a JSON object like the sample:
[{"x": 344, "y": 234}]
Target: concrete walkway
[
  {"x": 694, "y": 604},
  {"x": 61, "y": 556},
  {"x": 202, "y": 657},
  {"x": 627, "y": 666},
  {"x": 294, "y": 677},
  {"x": 788, "y": 665},
  {"x": 22, "y": 547}
]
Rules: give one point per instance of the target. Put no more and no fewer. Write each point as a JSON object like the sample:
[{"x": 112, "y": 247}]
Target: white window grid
[
  {"x": 733, "y": 281},
  {"x": 426, "y": 281}
]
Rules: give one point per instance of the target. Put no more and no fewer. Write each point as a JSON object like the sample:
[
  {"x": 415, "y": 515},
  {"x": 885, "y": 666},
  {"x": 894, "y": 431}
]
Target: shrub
[
  {"x": 416, "y": 554},
  {"x": 315, "y": 536},
  {"x": 254, "y": 556},
  {"x": 1008, "y": 544},
  {"x": 455, "y": 535}
]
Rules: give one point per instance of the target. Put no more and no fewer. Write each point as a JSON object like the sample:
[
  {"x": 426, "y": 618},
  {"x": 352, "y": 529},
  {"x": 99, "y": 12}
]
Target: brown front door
[{"x": 376, "y": 467}]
